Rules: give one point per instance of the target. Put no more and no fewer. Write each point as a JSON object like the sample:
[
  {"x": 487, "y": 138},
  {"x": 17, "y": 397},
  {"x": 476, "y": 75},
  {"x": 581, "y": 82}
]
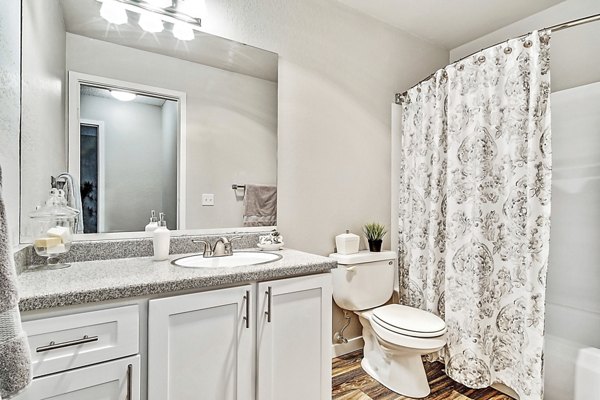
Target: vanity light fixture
[
  {"x": 122, "y": 96},
  {"x": 113, "y": 12},
  {"x": 184, "y": 15},
  {"x": 151, "y": 22},
  {"x": 183, "y": 31},
  {"x": 160, "y": 3}
]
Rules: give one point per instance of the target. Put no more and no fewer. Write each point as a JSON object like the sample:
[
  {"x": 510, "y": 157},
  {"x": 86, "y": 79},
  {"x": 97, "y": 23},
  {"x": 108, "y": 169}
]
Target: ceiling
[{"x": 449, "y": 23}]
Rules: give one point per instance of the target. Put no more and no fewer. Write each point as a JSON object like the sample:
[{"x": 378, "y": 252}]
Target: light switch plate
[{"x": 208, "y": 199}]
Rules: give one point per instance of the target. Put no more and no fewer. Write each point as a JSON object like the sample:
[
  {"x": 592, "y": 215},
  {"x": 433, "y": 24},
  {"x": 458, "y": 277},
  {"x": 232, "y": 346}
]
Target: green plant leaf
[{"x": 374, "y": 231}]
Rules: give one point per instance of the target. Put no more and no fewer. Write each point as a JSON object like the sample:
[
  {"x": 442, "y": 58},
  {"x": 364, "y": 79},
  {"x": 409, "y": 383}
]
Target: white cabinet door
[
  {"x": 200, "y": 346},
  {"x": 294, "y": 339},
  {"x": 112, "y": 380}
]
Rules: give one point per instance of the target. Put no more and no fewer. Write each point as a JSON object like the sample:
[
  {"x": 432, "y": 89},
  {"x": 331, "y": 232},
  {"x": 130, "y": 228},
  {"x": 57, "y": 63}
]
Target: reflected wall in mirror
[
  {"x": 223, "y": 133},
  {"x": 125, "y": 144}
]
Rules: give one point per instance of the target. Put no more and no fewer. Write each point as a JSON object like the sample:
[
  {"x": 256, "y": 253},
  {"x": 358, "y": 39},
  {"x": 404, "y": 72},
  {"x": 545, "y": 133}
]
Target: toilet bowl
[{"x": 395, "y": 336}]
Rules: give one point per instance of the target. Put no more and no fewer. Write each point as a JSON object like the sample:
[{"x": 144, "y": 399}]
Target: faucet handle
[
  {"x": 227, "y": 244},
  {"x": 207, "y": 250},
  {"x": 231, "y": 239}
]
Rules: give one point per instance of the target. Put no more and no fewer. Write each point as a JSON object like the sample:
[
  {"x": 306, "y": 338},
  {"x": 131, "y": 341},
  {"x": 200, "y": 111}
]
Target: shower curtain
[{"x": 474, "y": 218}]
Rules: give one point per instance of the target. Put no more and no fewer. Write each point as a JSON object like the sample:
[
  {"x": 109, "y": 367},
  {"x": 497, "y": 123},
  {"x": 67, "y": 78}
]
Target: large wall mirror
[{"x": 178, "y": 121}]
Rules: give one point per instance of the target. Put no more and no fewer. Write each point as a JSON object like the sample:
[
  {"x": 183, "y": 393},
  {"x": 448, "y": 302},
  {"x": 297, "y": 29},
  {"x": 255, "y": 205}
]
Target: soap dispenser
[
  {"x": 153, "y": 224},
  {"x": 161, "y": 239}
]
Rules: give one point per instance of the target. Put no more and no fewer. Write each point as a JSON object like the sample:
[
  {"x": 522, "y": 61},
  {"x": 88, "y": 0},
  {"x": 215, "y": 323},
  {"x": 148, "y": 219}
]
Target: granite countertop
[{"x": 96, "y": 281}]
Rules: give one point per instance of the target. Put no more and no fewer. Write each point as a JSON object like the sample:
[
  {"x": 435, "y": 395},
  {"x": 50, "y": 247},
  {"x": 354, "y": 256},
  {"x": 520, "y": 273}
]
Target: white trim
[
  {"x": 101, "y": 170},
  {"x": 181, "y": 160},
  {"x": 339, "y": 349},
  {"x": 76, "y": 79}
]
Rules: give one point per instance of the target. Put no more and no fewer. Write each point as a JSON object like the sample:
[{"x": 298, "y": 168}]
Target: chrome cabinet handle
[
  {"x": 54, "y": 346},
  {"x": 269, "y": 294},
  {"x": 129, "y": 382},
  {"x": 247, "y": 300}
]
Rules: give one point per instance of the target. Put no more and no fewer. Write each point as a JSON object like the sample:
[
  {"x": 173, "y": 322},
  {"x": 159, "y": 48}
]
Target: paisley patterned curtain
[{"x": 475, "y": 210}]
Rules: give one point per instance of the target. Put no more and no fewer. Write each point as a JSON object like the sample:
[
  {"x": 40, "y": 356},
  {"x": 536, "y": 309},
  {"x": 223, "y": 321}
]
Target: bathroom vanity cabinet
[
  {"x": 263, "y": 341},
  {"x": 270, "y": 339}
]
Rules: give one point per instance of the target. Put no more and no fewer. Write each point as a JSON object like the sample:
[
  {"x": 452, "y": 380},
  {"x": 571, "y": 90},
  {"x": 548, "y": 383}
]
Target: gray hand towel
[
  {"x": 15, "y": 359},
  {"x": 260, "y": 205}
]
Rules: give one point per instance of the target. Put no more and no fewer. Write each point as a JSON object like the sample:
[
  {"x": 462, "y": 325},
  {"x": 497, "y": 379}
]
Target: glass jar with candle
[{"x": 52, "y": 227}]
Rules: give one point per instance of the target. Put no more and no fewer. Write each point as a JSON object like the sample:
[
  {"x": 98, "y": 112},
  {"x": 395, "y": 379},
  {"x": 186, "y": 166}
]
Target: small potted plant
[{"x": 374, "y": 233}]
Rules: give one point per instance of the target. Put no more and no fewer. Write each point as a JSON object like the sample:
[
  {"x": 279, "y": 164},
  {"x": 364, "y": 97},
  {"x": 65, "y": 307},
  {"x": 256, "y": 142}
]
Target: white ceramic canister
[{"x": 347, "y": 243}]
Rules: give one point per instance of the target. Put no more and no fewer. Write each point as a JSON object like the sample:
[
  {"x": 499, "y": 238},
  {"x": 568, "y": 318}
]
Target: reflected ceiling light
[
  {"x": 122, "y": 96},
  {"x": 151, "y": 22},
  {"x": 113, "y": 12},
  {"x": 183, "y": 31},
  {"x": 193, "y": 8}
]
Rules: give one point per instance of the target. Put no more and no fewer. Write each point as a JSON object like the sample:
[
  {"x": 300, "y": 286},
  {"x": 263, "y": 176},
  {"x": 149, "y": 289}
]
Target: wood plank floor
[{"x": 350, "y": 382}]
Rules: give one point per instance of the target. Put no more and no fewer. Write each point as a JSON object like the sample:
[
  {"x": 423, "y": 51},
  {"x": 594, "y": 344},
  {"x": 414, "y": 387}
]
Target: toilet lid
[{"x": 409, "y": 321}]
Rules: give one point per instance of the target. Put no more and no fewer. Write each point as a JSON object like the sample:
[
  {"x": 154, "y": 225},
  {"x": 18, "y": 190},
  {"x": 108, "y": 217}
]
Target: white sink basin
[{"x": 236, "y": 260}]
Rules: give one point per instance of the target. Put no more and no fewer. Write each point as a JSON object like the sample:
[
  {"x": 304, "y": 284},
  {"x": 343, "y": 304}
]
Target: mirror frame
[{"x": 77, "y": 79}]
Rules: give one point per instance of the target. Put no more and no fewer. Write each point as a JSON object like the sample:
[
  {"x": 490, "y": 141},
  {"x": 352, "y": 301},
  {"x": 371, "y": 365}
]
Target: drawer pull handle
[
  {"x": 54, "y": 346},
  {"x": 129, "y": 382},
  {"x": 247, "y": 300},
  {"x": 269, "y": 294}
]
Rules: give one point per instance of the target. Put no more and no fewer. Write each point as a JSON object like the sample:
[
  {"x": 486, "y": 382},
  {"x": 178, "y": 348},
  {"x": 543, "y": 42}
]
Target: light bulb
[
  {"x": 122, "y": 96},
  {"x": 193, "y": 8},
  {"x": 113, "y": 12},
  {"x": 151, "y": 22},
  {"x": 183, "y": 31}
]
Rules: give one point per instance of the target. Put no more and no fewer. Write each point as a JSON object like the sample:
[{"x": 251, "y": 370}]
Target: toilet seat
[{"x": 408, "y": 321}]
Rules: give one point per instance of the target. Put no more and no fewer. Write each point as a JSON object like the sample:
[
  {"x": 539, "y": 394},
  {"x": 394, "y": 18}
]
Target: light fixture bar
[{"x": 167, "y": 14}]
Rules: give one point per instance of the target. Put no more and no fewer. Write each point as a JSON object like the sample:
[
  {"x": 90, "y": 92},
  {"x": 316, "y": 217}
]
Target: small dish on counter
[{"x": 270, "y": 246}]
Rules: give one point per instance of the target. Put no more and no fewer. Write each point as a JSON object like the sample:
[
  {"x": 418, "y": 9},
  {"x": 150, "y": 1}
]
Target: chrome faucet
[{"x": 221, "y": 248}]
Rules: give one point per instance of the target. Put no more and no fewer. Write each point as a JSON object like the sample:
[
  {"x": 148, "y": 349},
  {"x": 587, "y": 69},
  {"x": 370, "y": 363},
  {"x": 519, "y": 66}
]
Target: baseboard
[
  {"x": 339, "y": 349},
  {"x": 506, "y": 390}
]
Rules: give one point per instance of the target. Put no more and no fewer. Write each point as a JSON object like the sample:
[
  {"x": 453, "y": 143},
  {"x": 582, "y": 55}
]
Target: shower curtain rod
[{"x": 553, "y": 28}]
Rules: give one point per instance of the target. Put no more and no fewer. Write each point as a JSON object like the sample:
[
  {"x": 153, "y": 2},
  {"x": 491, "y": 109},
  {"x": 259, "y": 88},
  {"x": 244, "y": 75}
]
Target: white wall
[
  {"x": 573, "y": 298},
  {"x": 10, "y": 102},
  {"x": 338, "y": 72},
  {"x": 43, "y": 149},
  {"x": 231, "y": 122},
  {"x": 133, "y": 164},
  {"x": 575, "y": 52}
]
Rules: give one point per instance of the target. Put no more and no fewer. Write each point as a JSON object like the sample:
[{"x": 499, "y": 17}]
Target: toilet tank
[{"x": 363, "y": 280}]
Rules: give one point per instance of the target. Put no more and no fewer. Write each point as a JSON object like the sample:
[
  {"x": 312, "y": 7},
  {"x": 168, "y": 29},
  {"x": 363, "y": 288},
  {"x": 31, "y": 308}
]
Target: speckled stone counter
[{"x": 96, "y": 281}]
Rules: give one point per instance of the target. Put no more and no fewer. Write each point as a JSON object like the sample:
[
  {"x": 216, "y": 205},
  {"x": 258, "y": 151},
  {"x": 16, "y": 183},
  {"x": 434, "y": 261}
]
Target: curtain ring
[
  {"x": 507, "y": 50},
  {"x": 527, "y": 44},
  {"x": 460, "y": 67},
  {"x": 481, "y": 59}
]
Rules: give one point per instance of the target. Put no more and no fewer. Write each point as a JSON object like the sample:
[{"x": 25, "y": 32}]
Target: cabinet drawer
[
  {"x": 75, "y": 340},
  {"x": 113, "y": 380}
]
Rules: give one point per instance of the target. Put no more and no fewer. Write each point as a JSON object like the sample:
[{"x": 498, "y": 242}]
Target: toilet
[{"x": 395, "y": 336}]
